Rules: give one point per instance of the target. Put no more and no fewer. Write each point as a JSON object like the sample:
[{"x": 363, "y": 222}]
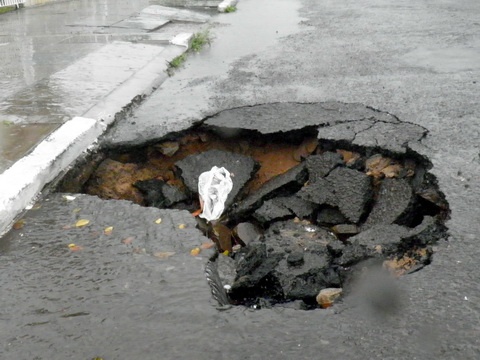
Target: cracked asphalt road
[{"x": 416, "y": 60}]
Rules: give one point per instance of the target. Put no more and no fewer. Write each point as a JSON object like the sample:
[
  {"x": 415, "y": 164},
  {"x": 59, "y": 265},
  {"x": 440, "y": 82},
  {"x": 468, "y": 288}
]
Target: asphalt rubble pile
[{"x": 302, "y": 215}]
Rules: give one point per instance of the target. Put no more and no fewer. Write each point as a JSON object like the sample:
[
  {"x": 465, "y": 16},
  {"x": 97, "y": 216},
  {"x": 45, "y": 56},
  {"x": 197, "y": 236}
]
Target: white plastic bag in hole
[{"x": 214, "y": 187}]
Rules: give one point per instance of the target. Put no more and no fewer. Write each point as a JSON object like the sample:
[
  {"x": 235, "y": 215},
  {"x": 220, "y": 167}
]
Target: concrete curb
[{"x": 26, "y": 178}]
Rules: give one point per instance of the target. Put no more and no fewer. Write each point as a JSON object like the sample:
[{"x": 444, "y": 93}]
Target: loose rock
[
  {"x": 326, "y": 297},
  {"x": 433, "y": 196},
  {"x": 345, "y": 229},
  {"x": 159, "y": 194},
  {"x": 375, "y": 165},
  {"x": 349, "y": 157},
  {"x": 307, "y": 147},
  {"x": 222, "y": 236},
  {"x": 168, "y": 148}
]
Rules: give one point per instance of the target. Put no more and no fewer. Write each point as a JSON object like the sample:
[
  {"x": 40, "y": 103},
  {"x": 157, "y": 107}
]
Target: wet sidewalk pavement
[{"x": 77, "y": 59}]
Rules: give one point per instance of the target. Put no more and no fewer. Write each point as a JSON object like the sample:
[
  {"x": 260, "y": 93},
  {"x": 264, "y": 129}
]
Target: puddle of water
[
  {"x": 17, "y": 140},
  {"x": 251, "y": 21}
]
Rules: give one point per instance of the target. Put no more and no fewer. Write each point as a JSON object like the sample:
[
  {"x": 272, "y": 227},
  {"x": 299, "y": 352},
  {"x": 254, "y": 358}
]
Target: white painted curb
[
  {"x": 226, "y": 3},
  {"x": 182, "y": 39},
  {"x": 27, "y": 177}
]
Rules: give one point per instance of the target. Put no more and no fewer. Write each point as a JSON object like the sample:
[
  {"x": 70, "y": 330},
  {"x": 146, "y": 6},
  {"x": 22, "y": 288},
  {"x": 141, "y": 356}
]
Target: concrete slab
[
  {"x": 142, "y": 22},
  {"x": 141, "y": 84},
  {"x": 155, "y": 16},
  {"x": 175, "y": 14}
]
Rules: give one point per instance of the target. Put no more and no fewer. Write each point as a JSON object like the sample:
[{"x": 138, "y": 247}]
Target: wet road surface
[{"x": 400, "y": 58}]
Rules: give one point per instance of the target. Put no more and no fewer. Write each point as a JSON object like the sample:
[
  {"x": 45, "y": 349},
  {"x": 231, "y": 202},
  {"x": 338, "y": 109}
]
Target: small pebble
[{"x": 326, "y": 297}]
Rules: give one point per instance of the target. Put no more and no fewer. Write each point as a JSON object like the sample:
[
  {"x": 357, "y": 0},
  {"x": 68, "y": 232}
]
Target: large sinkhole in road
[{"x": 304, "y": 212}]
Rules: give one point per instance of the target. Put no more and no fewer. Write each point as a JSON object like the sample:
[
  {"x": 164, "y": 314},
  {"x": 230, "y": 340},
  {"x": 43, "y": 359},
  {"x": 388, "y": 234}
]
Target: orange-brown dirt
[
  {"x": 401, "y": 265},
  {"x": 115, "y": 177}
]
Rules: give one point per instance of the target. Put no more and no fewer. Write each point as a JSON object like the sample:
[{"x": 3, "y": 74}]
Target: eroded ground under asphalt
[{"x": 84, "y": 276}]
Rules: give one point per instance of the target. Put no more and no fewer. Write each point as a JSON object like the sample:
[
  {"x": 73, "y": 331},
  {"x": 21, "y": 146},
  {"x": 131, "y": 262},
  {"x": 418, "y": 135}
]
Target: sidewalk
[{"x": 67, "y": 69}]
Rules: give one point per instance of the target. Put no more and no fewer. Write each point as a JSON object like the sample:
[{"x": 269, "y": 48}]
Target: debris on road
[{"x": 294, "y": 213}]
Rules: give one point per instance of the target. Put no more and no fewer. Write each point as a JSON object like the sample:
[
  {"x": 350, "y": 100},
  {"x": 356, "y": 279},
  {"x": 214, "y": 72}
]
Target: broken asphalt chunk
[
  {"x": 388, "y": 239},
  {"x": 272, "y": 210},
  {"x": 320, "y": 192},
  {"x": 393, "y": 136},
  {"x": 288, "y": 182},
  {"x": 393, "y": 204},
  {"x": 298, "y": 206},
  {"x": 159, "y": 194},
  {"x": 284, "y": 207},
  {"x": 241, "y": 168},
  {"x": 264, "y": 117},
  {"x": 298, "y": 263},
  {"x": 353, "y": 191},
  {"x": 319, "y": 166}
]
